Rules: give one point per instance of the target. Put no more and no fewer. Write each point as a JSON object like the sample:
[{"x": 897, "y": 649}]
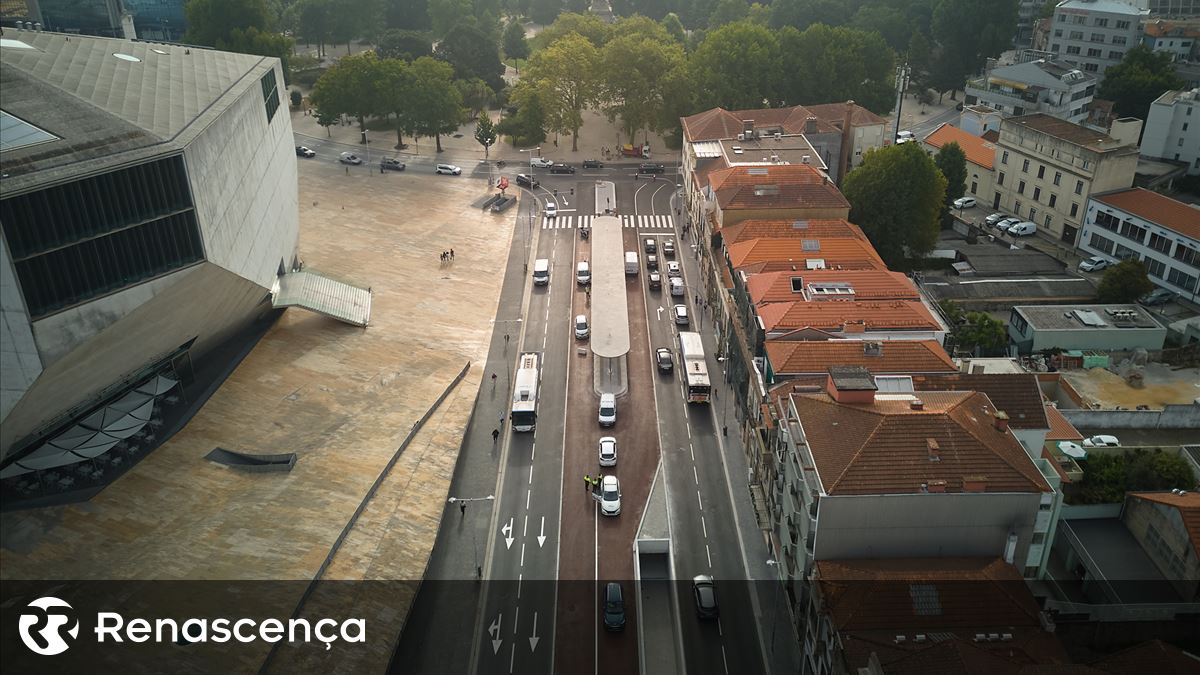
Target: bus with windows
[
  {"x": 695, "y": 368},
  {"x": 525, "y": 392}
]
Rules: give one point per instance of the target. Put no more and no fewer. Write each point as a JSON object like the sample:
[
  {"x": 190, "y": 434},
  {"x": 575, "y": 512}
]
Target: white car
[
  {"x": 350, "y": 158},
  {"x": 608, "y": 451},
  {"x": 551, "y": 210},
  {"x": 1101, "y": 442},
  {"x": 1093, "y": 264},
  {"x": 583, "y": 273},
  {"x": 540, "y": 163},
  {"x": 1006, "y": 223},
  {"x": 994, "y": 218},
  {"x": 964, "y": 203},
  {"x": 681, "y": 315},
  {"x": 448, "y": 169},
  {"x": 582, "y": 329},
  {"x": 610, "y": 496},
  {"x": 608, "y": 410},
  {"x": 905, "y": 137},
  {"x": 673, "y": 269}
]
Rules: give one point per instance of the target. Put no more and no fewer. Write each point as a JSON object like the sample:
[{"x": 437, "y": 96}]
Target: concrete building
[
  {"x": 1175, "y": 9},
  {"x": 149, "y": 213},
  {"x": 1177, "y": 38},
  {"x": 1159, "y": 231},
  {"x": 1093, "y": 35},
  {"x": 1173, "y": 129},
  {"x": 1055, "y": 88},
  {"x": 1034, "y": 328},
  {"x": 981, "y": 156},
  {"x": 1167, "y": 525},
  {"x": 1046, "y": 169}
]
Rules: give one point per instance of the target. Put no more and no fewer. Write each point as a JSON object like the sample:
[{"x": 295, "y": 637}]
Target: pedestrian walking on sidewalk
[
  {"x": 495, "y": 436},
  {"x": 587, "y": 482},
  {"x": 452, "y": 254}
]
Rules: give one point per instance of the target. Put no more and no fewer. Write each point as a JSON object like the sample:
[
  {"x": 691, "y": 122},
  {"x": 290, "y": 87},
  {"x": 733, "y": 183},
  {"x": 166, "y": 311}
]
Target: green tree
[
  {"x": 473, "y": 54},
  {"x": 1047, "y": 10},
  {"x": 759, "y": 14},
  {"x": 654, "y": 9},
  {"x": 326, "y": 119},
  {"x": 800, "y": 14},
  {"x": 896, "y": 195},
  {"x": 830, "y": 65},
  {"x": 353, "y": 86},
  {"x": 527, "y": 127},
  {"x": 253, "y": 41},
  {"x": 1137, "y": 80},
  {"x": 982, "y": 333},
  {"x": 674, "y": 27},
  {"x": 396, "y": 96},
  {"x": 889, "y": 22},
  {"x": 485, "y": 132},
  {"x": 210, "y": 21},
  {"x": 446, "y": 14},
  {"x": 515, "y": 45},
  {"x": 737, "y": 66},
  {"x": 1124, "y": 282},
  {"x": 952, "y": 162},
  {"x": 1108, "y": 477},
  {"x": 570, "y": 69},
  {"x": 588, "y": 25},
  {"x": 545, "y": 11},
  {"x": 577, "y": 6},
  {"x": 408, "y": 45},
  {"x": 918, "y": 53},
  {"x": 634, "y": 71},
  {"x": 312, "y": 22},
  {"x": 728, "y": 11},
  {"x": 407, "y": 15},
  {"x": 476, "y": 95},
  {"x": 969, "y": 31},
  {"x": 435, "y": 98}
]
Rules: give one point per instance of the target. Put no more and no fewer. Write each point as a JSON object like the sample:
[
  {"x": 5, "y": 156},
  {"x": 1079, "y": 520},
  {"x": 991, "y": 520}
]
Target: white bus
[
  {"x": 695, "y": 368},
  {"x": 525, "y": 392}
]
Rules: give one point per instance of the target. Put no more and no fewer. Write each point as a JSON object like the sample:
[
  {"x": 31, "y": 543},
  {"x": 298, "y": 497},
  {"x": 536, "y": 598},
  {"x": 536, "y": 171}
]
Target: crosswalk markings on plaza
[{"x": 639, "y": 222}]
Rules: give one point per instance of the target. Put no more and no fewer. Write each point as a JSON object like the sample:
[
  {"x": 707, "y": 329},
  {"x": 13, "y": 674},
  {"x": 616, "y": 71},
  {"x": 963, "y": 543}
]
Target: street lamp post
[
  {"x": 529, "y": 234},
  {"x": 462, "y": 502},
  {"x": 902, "y": 73}
]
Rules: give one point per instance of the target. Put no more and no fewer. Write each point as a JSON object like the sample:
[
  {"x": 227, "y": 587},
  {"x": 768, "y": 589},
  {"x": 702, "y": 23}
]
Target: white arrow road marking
[
  {"x": 660, "y": 311},
  {"x": 542, "y": 537},
  {"x": 533, "y": 640},
  {"x": 494, "y": 631},
  {"x": 507, "y": 531}
]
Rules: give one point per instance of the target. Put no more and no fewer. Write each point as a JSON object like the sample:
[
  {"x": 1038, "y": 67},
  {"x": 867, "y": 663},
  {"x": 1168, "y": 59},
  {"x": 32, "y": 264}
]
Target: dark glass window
[
  {"x": 77, "y": 241},
  {"x": 270, "y": 94}
]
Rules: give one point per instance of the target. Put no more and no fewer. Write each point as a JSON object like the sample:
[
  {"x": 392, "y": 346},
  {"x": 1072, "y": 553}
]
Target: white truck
[{"x": 631, "y": 262}]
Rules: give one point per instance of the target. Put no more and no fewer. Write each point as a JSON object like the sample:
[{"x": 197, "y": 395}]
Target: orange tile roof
[
  {"x": 978, "y": 150},
  {"x": 834, "y": 315},
  {"x": 1188, "y": 505},
  {"x": 791, "y": 228},
  {"x": 881, "y": 447},
  {"x": 894, "y": 357},
  {"x": 848, "y": 253},
  {"x": 775, "y": 186},
  {"x": 835, "y": 113},
  {"x": 867, "y": 284},
  {"x": 718, "y": 123},
  {"x": 1159, "y": 209},
  {"x": 1162, "y": 28},
  {"x": 1017, "y": 394},
  {"x": 1060, "y": 428}
]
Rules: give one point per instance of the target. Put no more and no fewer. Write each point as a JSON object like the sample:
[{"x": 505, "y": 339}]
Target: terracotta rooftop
[
  {"x": 991, "y": 136},
  {"x": 847, "y": 253},
  {"x": 834, "y": 316},
  {"x": 1188, "y": 505},
  {"x": 891, "y": 357},
  {"x": 1015, "y": 393},
  {"x": 867, "y": 284},
  {"x": 1153, "y": 656},
  {"x": 959, "y": 656},
  {"x": 1159, "y": 209},
  {"x": 835, "y": 114},
  {"x": 1070, "y": 132},
  {"x": 1162, "y": 28},
  {"x": 1060, "y": 428},
  {"x": 791, "y": 228},
  {"x": 883, "y": 447},
  {"x": 718, "y": 123},
  {"x": 978, "y": 151},
  {"x": 776, "y": 186}
]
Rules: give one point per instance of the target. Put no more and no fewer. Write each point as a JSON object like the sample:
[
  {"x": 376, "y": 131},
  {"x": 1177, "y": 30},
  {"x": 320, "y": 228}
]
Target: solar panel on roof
[
  {"x": 17, "y": 133},
  {"x": 925, "y": 599}
]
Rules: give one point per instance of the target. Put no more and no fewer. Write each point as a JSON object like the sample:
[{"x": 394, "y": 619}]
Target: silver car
[{"x": 610, "y": 496}]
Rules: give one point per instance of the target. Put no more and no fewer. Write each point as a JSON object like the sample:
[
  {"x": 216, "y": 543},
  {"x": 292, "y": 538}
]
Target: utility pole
[{"x": 902, "y": 73}]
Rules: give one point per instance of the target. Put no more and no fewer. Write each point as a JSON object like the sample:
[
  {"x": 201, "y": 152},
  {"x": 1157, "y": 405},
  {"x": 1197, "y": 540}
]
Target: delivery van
[
  {"x": 541, "y": 271},
  {"x": 631, "y": 262}
]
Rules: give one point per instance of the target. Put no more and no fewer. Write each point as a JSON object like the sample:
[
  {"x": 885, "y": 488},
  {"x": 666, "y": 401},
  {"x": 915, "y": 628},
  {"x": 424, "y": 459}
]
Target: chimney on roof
[
  {"x": 850, "y": 384},
  {"x": 855, "y": 326},
  {"x": 935, "y": 451},
  {"x": 1000, "y": 420},
  {"x": 810, "y": 125},
  {"x": 975, "y": 483},
  {"x": 937, "y": 486},
  {"x": 748, "y": 128},
  {"x": 916, "y": 404},
  {"x": 872, "y": 349}
]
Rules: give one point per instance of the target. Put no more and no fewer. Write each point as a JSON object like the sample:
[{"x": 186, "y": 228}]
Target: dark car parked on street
[
  {"x": 562, "y": 168},
  {"x": 391, "y": 164},
  {"x": 527, "y": 181},
  {"x": 593, "y": 164},
  {"x": 614, "y": 607},
  {"x": 648, "y": 167}
]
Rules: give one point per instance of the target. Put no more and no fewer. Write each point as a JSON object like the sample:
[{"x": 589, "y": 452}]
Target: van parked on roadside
[
  {"x": 541, "y": 272},
  {"x": 631, "y": 262}
]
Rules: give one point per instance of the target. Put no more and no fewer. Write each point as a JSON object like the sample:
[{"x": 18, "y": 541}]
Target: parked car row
[{"x": 1011, "y": 225}]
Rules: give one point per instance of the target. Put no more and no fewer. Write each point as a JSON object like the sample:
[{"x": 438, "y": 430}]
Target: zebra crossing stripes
[{"x": 638, "y": 222}]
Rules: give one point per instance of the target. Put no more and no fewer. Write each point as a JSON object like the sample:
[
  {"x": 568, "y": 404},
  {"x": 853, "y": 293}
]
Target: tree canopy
[
  {"x": 213, "y": 21},
  {"x": 515, "y": 45},
  {"x": 1134, "y": 83},
  {"x": 408, "y": 45},
  {"x": 896, "y": 196},
  {"x": 636, "y": 71},
  {"x": 473, "y": 54},
  {"x": 831, "y": 65},
  {"x": 952, "y": 162},
  {"x": 569, "y": 70},
  {"x": 968, "y": 32},
  {"x": 1124, "y": 282},
  {"x": 737, "y": 66},
  {"x": 1108, "y": 477},
  {"x": 485, "y": 132}
]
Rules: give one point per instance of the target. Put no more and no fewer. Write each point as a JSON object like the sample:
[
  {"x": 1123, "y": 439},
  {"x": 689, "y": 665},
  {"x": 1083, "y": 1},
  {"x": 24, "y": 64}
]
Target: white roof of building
[
  {"x": 707, "y": 149},
  {"x": 1110, "y": 6}
]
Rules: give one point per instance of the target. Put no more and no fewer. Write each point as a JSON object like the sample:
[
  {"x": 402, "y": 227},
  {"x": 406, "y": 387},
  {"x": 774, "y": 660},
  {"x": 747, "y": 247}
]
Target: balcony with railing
[{"x": 1015, "y": 96}]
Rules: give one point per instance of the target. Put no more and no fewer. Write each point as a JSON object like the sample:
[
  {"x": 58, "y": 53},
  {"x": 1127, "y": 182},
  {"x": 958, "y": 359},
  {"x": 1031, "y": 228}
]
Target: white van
[
  {"x": 541, "y": 272},
  {"x": 1023, "y": 229},
  {"x": 583, "y": 274},
  {"x": 608, "y": 410},
  {"x": 631, "y": 262}
]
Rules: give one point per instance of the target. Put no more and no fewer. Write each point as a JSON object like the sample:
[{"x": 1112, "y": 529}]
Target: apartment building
[
  {"x": 1165, "y": 524},
  {"x": 1175, "y": 9},
  {"x": 792, "y": 191},
  {"x": 1056, "y": 88},
  {"x": 1177, "y": 38},
  {"x": 1173, "y": 129},
  {"x": 1093, "y": 35},
  {"x": 1161, "y": 232},
  {"x": 808, "y": 361},
  {"x": 981, "y": 155},
  {"x": 1046, "y": 168}
]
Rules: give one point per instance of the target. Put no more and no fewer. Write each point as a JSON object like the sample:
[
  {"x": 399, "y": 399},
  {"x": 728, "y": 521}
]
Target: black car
[
  {"x": 652, "y": 262},
  {"x": 651, "y": 168},
  {"x": 655, "y": 281},
  {"x": 614, "y": 607},
  {"x": 1156, "y": 297},
  {"x": 593, "y": 164},
  {"x": 527, "y": 181},
  {"x": 662, "y": 356},
  {"x": 562, "y": 168},
  {"x": 391, "y": 164},
  {"x": 704, "y": 592},
  {"x": 302, "y": 151}
]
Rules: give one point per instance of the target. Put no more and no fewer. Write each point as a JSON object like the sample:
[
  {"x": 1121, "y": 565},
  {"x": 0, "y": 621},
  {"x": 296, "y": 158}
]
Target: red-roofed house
[
  {"x": 777, "y": 191},
  {"x": 1167, "y": 525},
  {"x": 1162, "y": 232},
  {"x": 891, "y": 320},
  {"x": 826, "y": 284},
  {"x": 806, "y": 254},
  {"x": 787, "y": 360},
  {"x": 981, "y": 154},
  {"x": 790, "y": 228}
]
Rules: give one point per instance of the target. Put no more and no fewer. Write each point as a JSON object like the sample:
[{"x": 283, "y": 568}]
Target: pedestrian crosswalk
[{"x": 639, "y": 222}]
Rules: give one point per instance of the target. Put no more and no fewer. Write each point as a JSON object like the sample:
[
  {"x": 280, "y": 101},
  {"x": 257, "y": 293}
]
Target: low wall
[
  {"x": 1090, "y": 511},
  {"x": 1185, "y": 416}
]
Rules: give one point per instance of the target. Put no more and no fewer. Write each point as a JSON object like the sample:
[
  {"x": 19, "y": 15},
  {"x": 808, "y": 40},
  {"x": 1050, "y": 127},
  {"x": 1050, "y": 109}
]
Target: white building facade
[
  {"x": 1173, "y": 129},
  {"x": 1093, "y": 35},
  {"x": 1055, "y": 88}
]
